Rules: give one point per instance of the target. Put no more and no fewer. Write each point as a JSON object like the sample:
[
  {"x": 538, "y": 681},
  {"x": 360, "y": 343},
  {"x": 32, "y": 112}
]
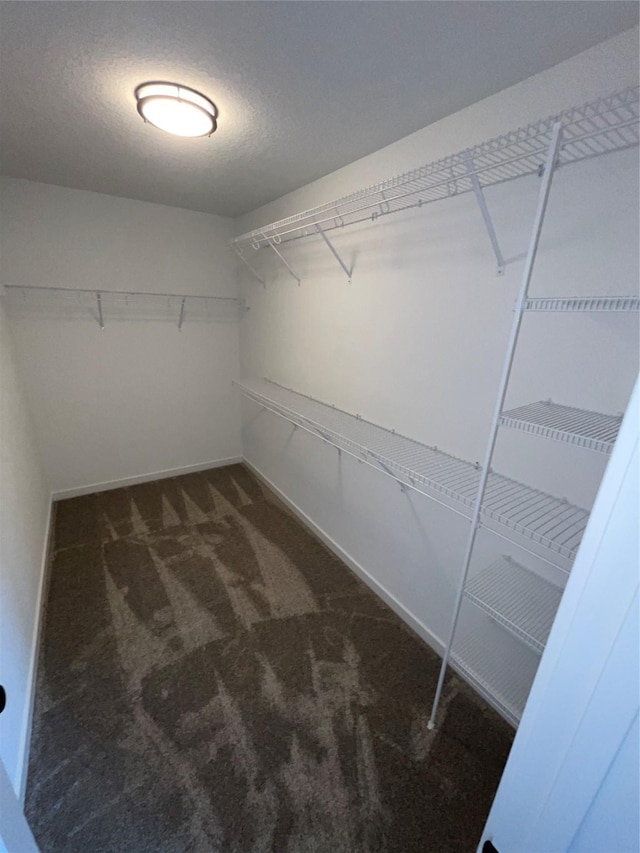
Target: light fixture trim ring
[{"x": 142, "y": 100}]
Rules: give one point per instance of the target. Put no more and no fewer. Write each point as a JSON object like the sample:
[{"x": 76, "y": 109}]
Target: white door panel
[{"x": 15, "y": 835}]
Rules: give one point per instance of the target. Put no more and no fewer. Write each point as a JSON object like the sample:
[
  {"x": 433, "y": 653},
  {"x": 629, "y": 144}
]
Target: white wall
[
  {"x": 416, "y": 341},
  {"x": 139, "y": 397},
  {"x": 24, "y": 519}
]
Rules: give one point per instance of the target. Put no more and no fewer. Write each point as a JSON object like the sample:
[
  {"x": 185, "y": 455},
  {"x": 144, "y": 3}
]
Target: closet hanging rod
[
  {"x": 318, "y": 433},
  {"x": 94, "y": 291},
  {"x": 600, "y": 127},
  {"x": 553, "y": 524}
]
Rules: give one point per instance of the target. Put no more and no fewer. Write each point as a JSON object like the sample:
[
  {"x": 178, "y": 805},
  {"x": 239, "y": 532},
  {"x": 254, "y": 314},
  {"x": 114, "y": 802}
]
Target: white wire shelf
[
  {"x": 547, "y": 521},
  {"x": 502, "y": 669},
  {"x": 578, "y": 427},
  {"x": 521, "y": 601},
  {"x": 599, "y": 127},
  {"x": 585, "y": 303},
  {"x": 105, "y": 305}
]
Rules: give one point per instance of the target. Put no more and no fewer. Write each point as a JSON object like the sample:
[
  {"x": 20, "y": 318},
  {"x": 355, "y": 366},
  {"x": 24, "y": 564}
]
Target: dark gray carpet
[{"x": 213, "y": 679}]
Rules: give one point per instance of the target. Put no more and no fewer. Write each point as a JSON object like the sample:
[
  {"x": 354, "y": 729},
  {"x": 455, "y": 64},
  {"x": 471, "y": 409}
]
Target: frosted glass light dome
[{"x": 176, "y": 109}]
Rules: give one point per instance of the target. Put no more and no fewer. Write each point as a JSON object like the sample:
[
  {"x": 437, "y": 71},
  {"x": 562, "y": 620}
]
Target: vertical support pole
[
  {"x": 181, "y": 318},
  {"x": 543, "y": 198},
  {"x": 100, "y": 317},
  {"x": 347, "y": 271},
  {"x": 246, "y": 263},
  {"x": 484, "y": 210}
]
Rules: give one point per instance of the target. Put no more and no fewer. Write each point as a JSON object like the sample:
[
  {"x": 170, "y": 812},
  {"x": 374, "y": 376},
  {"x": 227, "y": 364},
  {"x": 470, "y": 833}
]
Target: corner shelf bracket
[
  {"x": 238, "y": 252},
  {"x": 273, "y": 241},
  {"x": 334, "y": 252},
  {"x": 484, "y": 210}
]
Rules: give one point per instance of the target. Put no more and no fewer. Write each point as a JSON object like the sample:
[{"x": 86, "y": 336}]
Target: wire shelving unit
[
  {"x": 546, "y": 521},
  {"x": 515, "y": 599},
  {"x": 616, "y": 304},
  {"x": 523, "y": 602},
  {"x": 599, "y": 127},
  {"x": 501, "y": 672},
  {"x": 510, "y": 608},
  {"x": 578, "y": 427},
  {"x": 104, "y": 305}
]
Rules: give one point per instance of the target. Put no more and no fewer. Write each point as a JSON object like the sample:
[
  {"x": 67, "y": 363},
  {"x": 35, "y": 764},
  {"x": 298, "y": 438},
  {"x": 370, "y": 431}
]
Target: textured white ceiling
[{"x": 302, "y": 87}]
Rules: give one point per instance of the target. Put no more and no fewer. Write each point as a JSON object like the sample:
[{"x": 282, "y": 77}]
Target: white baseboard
[
  {"x": 143, "y": 478},
  {"x": 412, "y": 621},
  {"x": 27, "y": 722}
]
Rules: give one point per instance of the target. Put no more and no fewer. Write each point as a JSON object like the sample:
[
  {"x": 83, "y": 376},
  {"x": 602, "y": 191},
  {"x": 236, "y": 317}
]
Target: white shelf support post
[
  {"x": 272, "y": 243},
  {"x": 333, "y": 251},
  {"x": 482, "y": 204},
  {"x": 100, "y": 317},
  {"x": 247, "y": 264},
  {"x": 543, "y": 198}
]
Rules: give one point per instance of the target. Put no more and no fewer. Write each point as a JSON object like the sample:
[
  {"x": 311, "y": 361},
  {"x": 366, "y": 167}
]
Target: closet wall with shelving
[
  {"x": 142, "y": 396},
  {"x": 403, "y": 324},
  {"x": 416, "y": 340}
]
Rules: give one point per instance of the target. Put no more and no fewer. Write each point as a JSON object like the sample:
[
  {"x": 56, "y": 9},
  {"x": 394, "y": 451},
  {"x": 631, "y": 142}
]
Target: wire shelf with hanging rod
[
  {"x": 108, "y": 305},
  {"x": 599, "y": 127},
  {"x": 510, "y": 508}
]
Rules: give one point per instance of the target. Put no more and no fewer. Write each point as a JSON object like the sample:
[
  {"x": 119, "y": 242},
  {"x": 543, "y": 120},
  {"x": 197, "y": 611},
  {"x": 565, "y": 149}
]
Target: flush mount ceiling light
[{"x": 176, "y": 109}]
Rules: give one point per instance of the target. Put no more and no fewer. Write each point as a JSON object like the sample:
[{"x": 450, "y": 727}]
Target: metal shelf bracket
[
  {"x": 238, "y": 252},
  {"x": 404, "y": 487},
  {"x": 333, "y": 251},
  {"x": 482, "y": 204},
  {"x": 181, "y": 317},
  {"x": 272, "y": 242},
  {"x": 100, "y": 317}
]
